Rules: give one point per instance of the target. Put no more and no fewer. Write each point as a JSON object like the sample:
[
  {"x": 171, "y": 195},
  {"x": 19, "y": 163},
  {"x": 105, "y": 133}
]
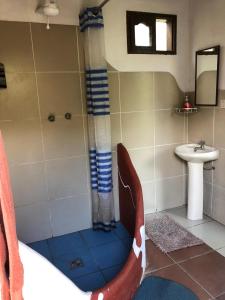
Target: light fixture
[{"x": 48, "y": 9}]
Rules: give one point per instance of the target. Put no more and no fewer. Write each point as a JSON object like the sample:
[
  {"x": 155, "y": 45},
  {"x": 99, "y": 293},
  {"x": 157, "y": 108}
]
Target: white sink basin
[
  {"x": 196, "y": 160},
  {"x": 186, "y": 152}
]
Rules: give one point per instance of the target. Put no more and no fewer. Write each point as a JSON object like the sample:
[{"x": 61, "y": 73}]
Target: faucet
[{"x": 200, "y": 147}]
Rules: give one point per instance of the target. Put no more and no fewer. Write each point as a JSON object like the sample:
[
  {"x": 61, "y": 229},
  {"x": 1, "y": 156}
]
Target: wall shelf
[{"x": 186, "y": 110}]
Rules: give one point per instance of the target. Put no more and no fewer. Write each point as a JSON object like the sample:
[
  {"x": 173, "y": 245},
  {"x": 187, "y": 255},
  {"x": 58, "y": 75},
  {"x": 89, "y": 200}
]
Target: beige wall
[
  {"x": 144, "y": 121},
  {"x": 207, "y": 29},
  {"x": 48, "y": 161},
  {"x": 116, "y": 41}
]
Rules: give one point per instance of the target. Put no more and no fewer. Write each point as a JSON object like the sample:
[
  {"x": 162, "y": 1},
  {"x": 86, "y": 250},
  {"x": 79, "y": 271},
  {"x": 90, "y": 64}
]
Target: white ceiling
[{"x": 24, "y": 10}]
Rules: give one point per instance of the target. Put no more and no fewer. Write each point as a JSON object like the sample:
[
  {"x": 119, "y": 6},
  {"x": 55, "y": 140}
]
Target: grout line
[
  {"x": 154, "y": 142},
  {"x": 21, "y": 164},
  {"x": 55, "y": 72},
  {"x": 51, "y": 200},
  {"x": 189, "y": 275},
  {"x": 220, "y": 295},
  {"x": 120, "y": 107},
  {"x": 212, "y": 174},
  {"x": 42, "y": 131},
  {"x": 193, "y": 279},
  {"x": 84, "y": 116}
]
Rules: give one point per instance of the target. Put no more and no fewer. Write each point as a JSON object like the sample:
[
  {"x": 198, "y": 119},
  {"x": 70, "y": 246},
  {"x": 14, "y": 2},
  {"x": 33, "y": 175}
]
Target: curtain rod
[{"x": 103, "y": 4}]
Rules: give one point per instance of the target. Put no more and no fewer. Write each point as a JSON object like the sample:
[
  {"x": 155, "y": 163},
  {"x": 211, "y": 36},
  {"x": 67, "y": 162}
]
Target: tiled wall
[
  {"x": 209, "y": 125},
  {"x": 48, "y": 161},
  {"x": 144, "y": 120}
]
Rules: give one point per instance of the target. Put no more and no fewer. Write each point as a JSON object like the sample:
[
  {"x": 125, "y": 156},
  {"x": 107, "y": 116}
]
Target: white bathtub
[{"x": 43, "y": 281}]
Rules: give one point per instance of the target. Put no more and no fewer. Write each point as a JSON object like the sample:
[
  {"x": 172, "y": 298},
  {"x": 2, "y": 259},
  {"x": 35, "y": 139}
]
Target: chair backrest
[
  {"x": 125, "y": 284},
  {"x": 130, "y": 192}
]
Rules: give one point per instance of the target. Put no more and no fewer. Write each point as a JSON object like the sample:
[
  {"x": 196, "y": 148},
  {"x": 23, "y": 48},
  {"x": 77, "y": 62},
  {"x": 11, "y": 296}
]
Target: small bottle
[{"x": 187, "y": 105}]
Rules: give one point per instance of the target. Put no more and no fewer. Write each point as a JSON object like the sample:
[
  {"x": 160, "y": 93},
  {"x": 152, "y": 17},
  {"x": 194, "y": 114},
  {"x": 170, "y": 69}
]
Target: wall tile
[
  {"x": 55, "y": 49},
  {"x": 22, "y": 140},
  {"x": 170, "y": 193},
  {"x": 143, "y": 161},
  {"x": 169, "y": 127},
  {"x": 207, "y": 196},
  {"x": 66, "y": 177},
  {"x": 137, "y": 129},
  {"x": 16, "y": 47},
  {"x": 207, "y": 174},
  {"x": 148, "y": 189},
  {"x": 76, "y": 214},
  {"x": 219, "y": 174},
  {"x": 115, "y": 130},
  {"x": 136, "y": 91},
  {"x": 19, "y": 100},
  {"x": 59, "y": 93},
  {"x": 167, "y": 92},
  {"x": 114, "y": 92},
  {"x": 33, "y": 222},
  {"x": 63, "y": 137},
  {"x": 28, "y": 183},
  {"x": 167, "y": 163},
  {"x": 219, "y": 132},
  {"x": 200, "y": 126},
  {"x": 219, "y": 204}
]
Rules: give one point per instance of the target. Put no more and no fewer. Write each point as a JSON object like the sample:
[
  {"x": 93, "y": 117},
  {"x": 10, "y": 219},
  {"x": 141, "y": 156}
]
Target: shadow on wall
[{"x": 143, "y": 118}]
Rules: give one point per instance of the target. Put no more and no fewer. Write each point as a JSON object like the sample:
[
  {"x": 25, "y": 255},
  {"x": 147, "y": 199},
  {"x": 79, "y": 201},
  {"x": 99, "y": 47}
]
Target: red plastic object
[{"x": 125, "y": 284}]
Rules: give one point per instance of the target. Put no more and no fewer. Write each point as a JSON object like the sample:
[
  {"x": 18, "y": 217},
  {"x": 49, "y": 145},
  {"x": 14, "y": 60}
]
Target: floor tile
[
  {"x": 42, "y": 248},
  {"x": 121, "y": 231},
  {"x": 156, "y": 259},
  {"x": 212, "y": 233},
  {"x": 64, "y": 263},
  {"x": 209, "y": 271},
  {"x": 179, "y": 214},
  {"x": 190, "y": 252},
  {"x": 221, "y": 251},
  {"x": 178, "y": 275},
  {"x": 95, "y": 238},
  {"x": 222, "y": 297},
  {"x": 128, "y": 242},
  {"x": 65, "y": 244},
  {"x": 111, "y": 273},
  {"x": 90, "y": 282},
  {"x": 110, "y": 254}
]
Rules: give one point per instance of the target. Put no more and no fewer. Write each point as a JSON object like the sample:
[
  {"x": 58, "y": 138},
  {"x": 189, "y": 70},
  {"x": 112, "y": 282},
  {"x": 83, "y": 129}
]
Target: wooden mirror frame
[{"x": 202, "y": 52}]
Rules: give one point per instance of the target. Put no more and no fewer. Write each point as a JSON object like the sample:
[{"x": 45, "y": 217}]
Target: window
[{"x": 151, "y": 33}]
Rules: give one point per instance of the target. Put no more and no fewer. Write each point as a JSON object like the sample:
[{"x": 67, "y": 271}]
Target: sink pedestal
[{"x": 195, "y": 191}]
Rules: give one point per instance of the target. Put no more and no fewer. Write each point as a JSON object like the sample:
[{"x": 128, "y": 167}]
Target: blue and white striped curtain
[{"x": 91, "y": 24}]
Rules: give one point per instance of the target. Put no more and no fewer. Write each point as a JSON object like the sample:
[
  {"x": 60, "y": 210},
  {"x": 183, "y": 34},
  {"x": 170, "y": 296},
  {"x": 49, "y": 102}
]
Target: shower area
[{"x": 59, "y": 145}]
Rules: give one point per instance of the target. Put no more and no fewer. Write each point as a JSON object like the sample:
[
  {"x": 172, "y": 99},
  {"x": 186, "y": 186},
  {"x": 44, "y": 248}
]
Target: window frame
[{"x": 149, "y": 19}]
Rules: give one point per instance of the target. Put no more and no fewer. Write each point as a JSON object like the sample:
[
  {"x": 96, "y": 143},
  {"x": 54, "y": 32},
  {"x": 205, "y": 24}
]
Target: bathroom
[{"x": 44, "y": 124}]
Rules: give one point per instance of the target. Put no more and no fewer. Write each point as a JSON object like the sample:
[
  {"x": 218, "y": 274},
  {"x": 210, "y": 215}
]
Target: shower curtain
[{"x": 99, "y": 131}]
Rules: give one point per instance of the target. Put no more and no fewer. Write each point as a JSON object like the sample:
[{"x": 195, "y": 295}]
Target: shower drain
[{"x": 76, "y": 263}]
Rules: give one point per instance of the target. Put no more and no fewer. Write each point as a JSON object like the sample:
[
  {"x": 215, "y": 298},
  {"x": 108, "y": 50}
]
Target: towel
[{"x": 11, "y": 269}]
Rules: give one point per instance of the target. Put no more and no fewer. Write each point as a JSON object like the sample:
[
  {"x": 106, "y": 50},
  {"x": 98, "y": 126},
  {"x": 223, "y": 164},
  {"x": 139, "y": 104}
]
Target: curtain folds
[{"x": 98, "y": 107}]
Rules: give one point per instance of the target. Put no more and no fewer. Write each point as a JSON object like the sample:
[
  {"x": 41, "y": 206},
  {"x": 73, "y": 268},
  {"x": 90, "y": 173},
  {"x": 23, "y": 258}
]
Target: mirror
[{"x": 207, "y": 76}]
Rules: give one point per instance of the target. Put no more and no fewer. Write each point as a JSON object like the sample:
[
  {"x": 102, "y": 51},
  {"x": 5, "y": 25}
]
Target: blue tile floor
[{"x": 102, "y": 255}]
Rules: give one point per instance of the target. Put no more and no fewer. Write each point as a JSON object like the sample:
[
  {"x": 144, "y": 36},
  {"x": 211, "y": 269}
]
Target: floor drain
[{"x": 76, "y": 263}]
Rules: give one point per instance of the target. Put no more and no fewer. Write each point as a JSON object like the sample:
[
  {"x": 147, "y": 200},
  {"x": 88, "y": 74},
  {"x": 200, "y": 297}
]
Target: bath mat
[{"x": 168, "y": 235}]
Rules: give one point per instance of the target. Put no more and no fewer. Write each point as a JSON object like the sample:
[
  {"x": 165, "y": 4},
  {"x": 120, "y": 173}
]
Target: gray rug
[{"x": 168, "y": 235}]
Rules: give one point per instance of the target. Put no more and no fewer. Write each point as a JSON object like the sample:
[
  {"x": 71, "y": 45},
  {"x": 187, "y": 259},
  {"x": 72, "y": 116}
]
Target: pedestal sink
[{"x": 196, "y": 156}]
